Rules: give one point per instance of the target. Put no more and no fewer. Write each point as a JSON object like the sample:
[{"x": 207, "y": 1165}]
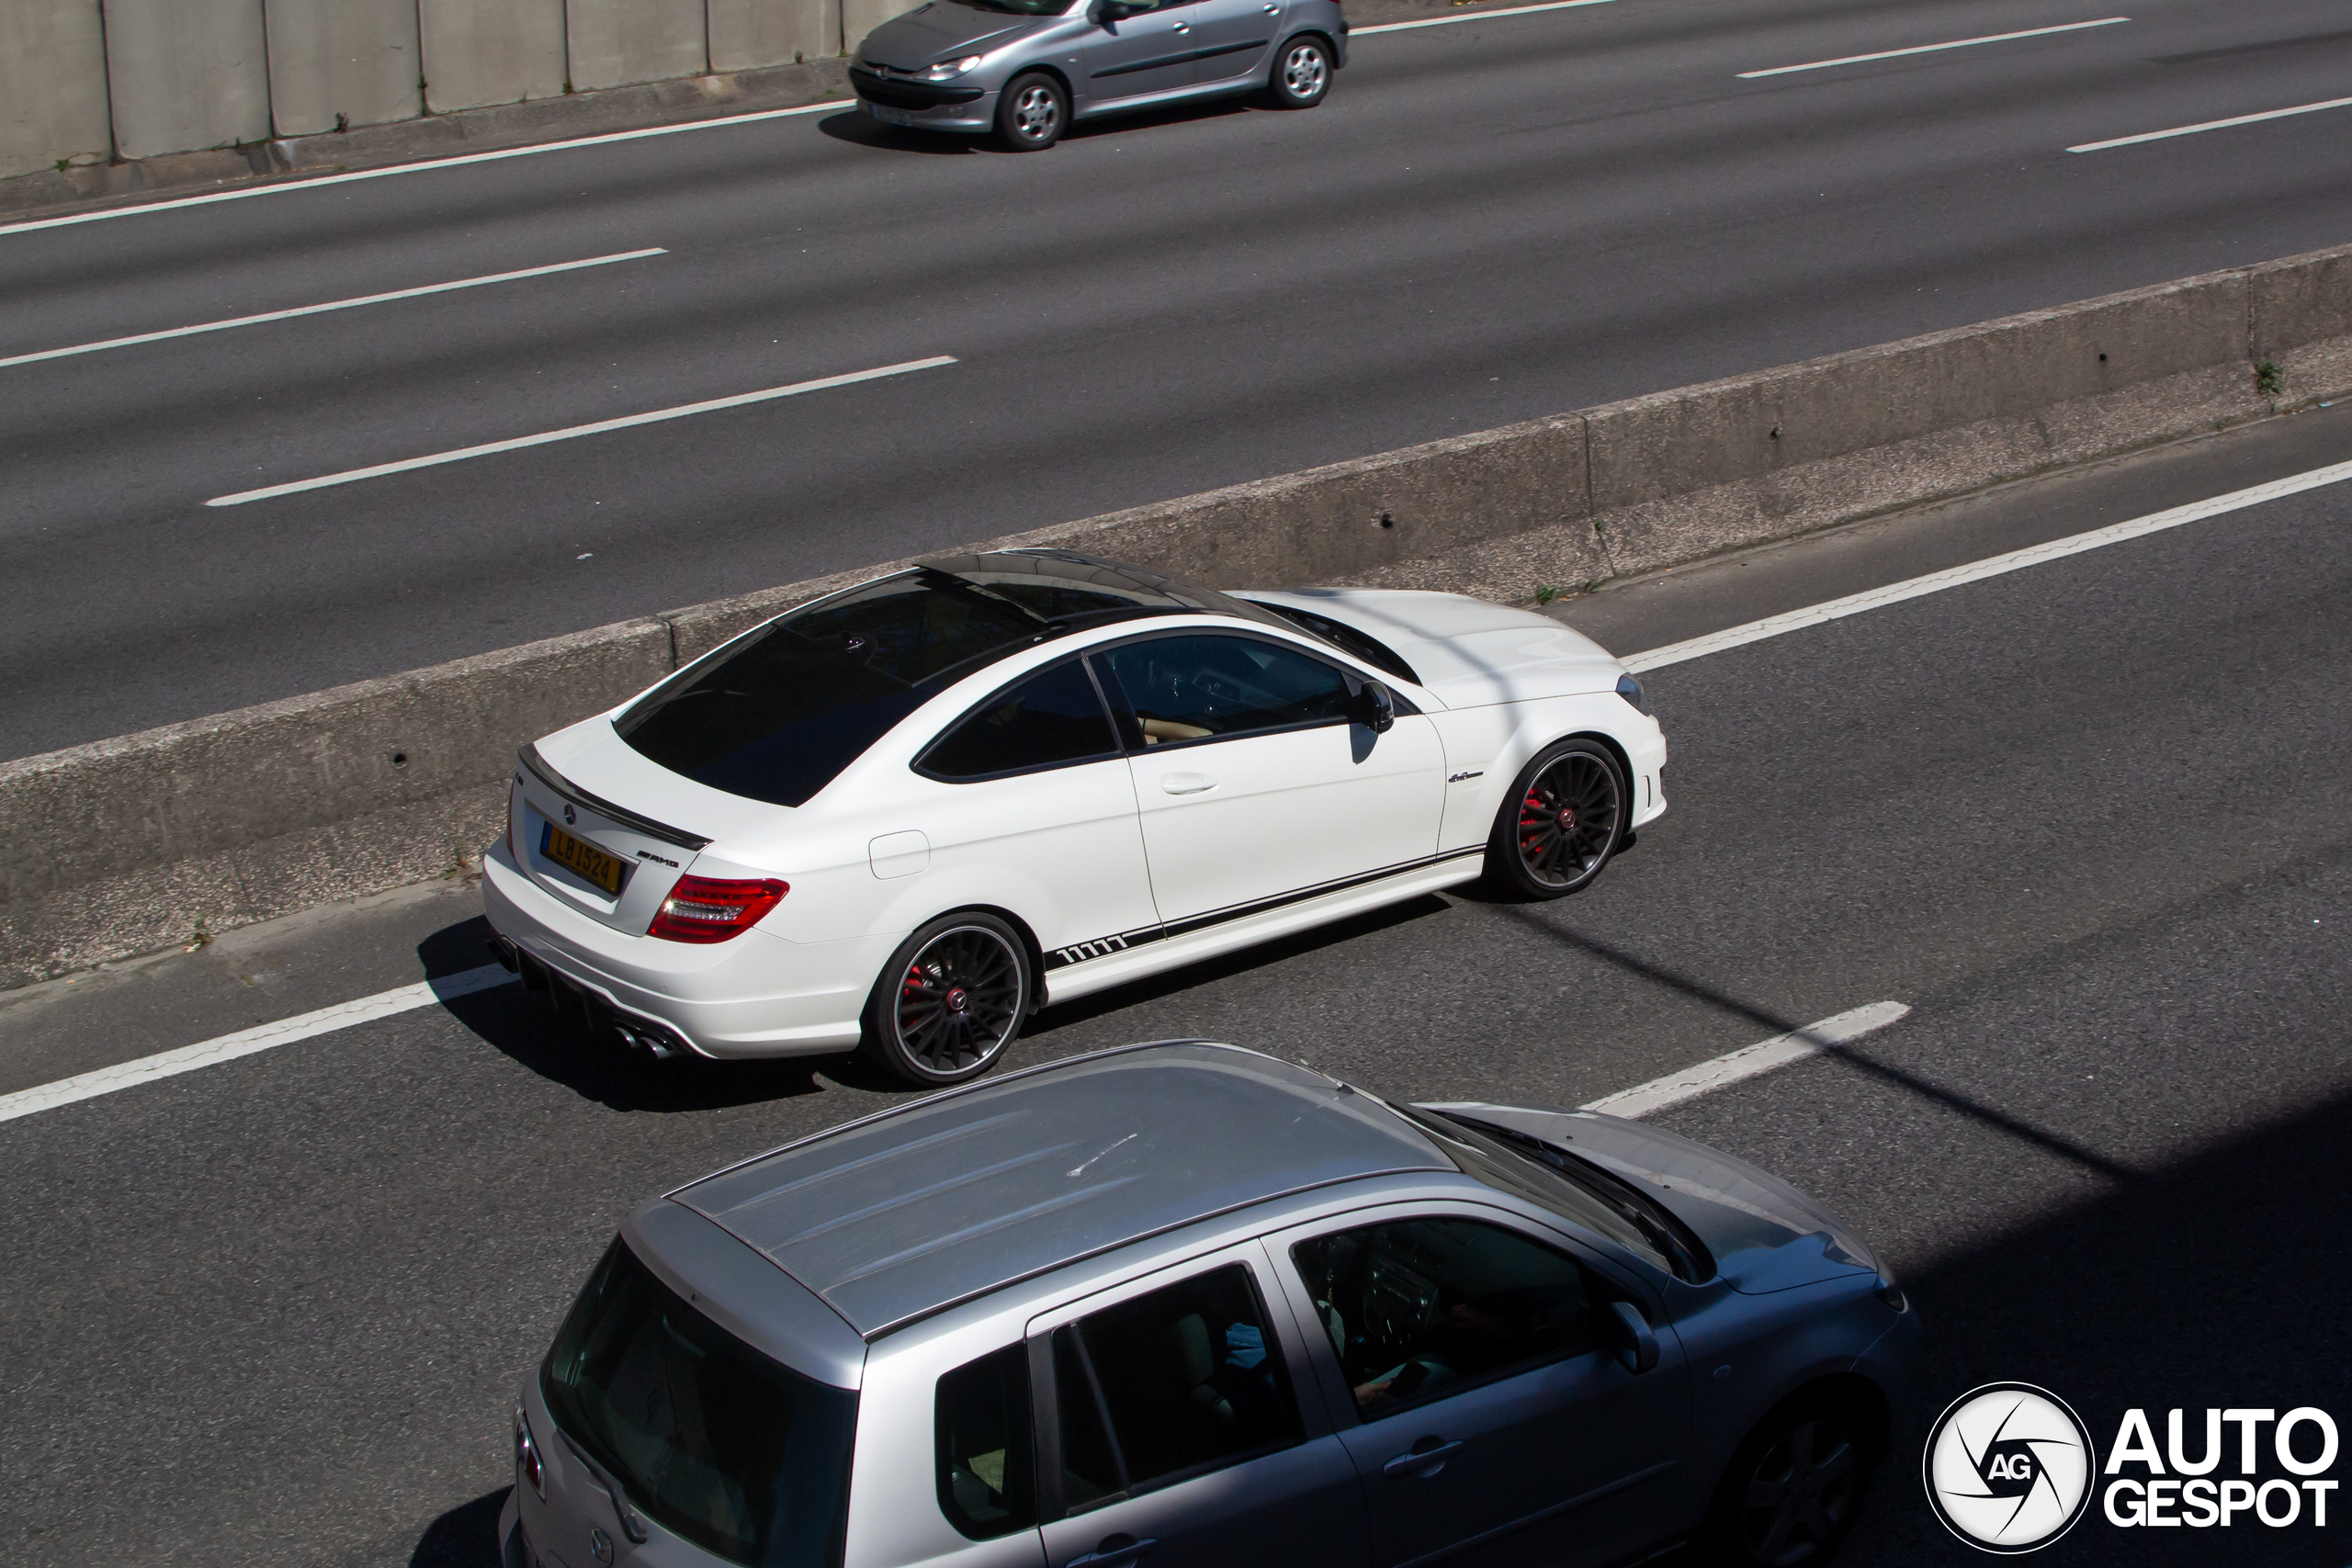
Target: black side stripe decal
[
  {"x": 1157, "y": 61},
  {"x": 1102, "y": 947},
  {"x": 1152, "y": 64}
]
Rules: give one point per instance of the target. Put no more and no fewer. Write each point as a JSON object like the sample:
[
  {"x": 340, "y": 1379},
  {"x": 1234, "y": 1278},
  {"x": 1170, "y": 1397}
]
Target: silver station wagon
[
  {"x": 1024, "y": 69},
  {"x": 1184, "y": 1304}
]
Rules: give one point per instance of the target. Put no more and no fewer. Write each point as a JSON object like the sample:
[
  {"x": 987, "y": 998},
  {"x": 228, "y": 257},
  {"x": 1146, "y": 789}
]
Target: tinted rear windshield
[
  {"x": 736, "y": 1453},
  {"x": 1495, "y": 1164},
  {"x": 778, "y": 716}
]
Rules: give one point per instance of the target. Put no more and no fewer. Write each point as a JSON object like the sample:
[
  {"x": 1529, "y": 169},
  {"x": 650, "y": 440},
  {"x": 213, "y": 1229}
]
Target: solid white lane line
[
  {"x": 1473, "y": 17},
  {"x": 246, "y": 1042},
  {"x": 1932, "y": 48},
  {"x": 1991, "y": 565},
  {"x": 386, "y": 173},
  {"x": 682, "y": 411},
  {"x": 1748, "y": 1061},
  {"x": 332, "y": 305},
  {"x": 2209, "y": 125}
]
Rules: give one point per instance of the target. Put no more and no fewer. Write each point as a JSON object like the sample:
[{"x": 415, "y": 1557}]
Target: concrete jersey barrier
[{"x": 130, "y": 844}]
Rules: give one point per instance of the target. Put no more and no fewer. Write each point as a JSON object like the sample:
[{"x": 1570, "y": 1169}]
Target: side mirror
[
  {"x": 1636, "y": 1346},
  {"x": 1371, "y": 706}
]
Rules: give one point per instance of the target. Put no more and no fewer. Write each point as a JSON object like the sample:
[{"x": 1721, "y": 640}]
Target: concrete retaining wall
[
  {"x": 125, "y": 845},
  {"x": 477, "y": 55},
  {"x": 616, "y": 42},
  {"x": 86, "y": 81},
  {"x": 860, "y": 18},
  {"x": 53, "y": 86},
  {"x": 747, "y": 34},
  {"x": 334, "y": 64},
  {"x": 183, "y": 74}
]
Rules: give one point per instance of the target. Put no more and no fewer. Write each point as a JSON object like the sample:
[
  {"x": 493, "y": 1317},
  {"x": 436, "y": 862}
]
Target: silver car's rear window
[{"x": 713, "y": 1440}]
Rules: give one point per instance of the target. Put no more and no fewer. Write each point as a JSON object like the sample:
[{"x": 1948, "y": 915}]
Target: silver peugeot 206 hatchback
[
  {"x": 1189, "y": 1306},
  {"x": 1024, "y": 69}
]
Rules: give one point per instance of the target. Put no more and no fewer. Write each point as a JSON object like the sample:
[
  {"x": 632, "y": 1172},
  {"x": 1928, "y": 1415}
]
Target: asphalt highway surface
[
  {"x": 2086, "y": 820},
  {"x": 1487, "y": 221}
]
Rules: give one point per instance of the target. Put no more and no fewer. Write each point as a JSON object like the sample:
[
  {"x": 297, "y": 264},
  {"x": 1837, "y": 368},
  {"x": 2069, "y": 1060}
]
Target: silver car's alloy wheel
[
  {"x": 1305, "y": 73},
  {"x": 1036, "y": 113},
  {"x": 1799, "y": 1494}
]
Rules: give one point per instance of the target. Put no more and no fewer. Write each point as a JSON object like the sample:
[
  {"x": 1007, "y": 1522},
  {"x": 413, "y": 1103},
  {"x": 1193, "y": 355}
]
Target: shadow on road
[
  {"x": 2217, "y": 1282},
  {"x": 465, "y": 1537},
  {"x": 1137, "y": 992},
  {"x": 525, "y": 1027},
  {"x": 862, "y": 129}
]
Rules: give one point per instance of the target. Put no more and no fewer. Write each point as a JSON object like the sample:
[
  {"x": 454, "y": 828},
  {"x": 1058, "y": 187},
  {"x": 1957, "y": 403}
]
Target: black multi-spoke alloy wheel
[
  {"x": 1793, "y": 1490},
  {"x": 1302, "y": 74},
  {"x": 950, "y": 1001},
  {"x": 1565, "y": 817},
  {"x": 1032, "y": 113}
]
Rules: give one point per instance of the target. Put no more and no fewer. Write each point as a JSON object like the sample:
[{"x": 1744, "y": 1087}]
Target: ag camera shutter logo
[{"x": 2008, "y": 1467}]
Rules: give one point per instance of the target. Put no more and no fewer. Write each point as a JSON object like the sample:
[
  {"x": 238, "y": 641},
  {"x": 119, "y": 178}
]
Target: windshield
[
  {"x": 1369, "y": 648},
  {"x": 779, "y": 714},
  {"x": 1590, "y": 1199},
  {"x": 741, "y": 1455}
]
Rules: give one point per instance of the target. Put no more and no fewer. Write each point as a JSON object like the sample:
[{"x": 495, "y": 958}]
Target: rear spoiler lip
[{"x": 541, "y": 769}]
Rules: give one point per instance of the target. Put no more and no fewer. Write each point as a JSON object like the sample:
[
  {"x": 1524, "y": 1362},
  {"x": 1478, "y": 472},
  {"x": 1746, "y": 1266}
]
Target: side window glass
[
  {"x": 1089, "y": 1469},
  {"x": 1189, "y": 688},
  {"x": 1166, "y": 1385},
  {"x": 982, "y": 1428},
  {"x": 1417, "y": 1308},
  {"x": 1052, "y": 718}
]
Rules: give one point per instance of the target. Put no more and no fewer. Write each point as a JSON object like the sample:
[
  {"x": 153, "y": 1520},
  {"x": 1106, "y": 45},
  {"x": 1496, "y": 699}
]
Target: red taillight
[
  {"x": 526, "y": 1455},
  {"x": 709, "y": 909}
]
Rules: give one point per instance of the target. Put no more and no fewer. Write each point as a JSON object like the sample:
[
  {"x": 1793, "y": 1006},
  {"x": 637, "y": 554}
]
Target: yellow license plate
[{"x": 605, "y": 870}]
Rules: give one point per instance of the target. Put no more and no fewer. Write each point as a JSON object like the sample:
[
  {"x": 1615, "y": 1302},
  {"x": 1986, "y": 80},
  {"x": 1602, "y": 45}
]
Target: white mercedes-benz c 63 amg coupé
[{"x": 909, "y": 814}]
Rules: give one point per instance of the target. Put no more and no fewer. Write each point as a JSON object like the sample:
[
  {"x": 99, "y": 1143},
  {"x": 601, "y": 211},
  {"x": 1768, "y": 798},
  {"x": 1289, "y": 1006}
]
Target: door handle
[
  {"x": 1182, "y": 28},
  {"x": 1272, "y": 10},
  {"x": 1186, "y": 783},
  {"x": 1422, "y": 1464},
  {"x": 1115, "y": 1550}
]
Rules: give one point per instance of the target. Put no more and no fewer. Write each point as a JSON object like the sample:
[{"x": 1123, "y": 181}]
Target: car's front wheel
[
  {"x": 1032, "y": 112},
  {"x": 1793, "y": 1490},
  {"x": 950, "y": 1001},
  {"x": 1302, "y": 74},
  {"x": 1564, "y": 817}
]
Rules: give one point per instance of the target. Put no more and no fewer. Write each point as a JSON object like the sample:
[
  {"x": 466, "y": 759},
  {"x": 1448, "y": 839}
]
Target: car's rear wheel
[
  {"x": 1032, "y": 113},
  {"x": 950, "y": 1001},
  {"x": 1302, "y": 74},
  {"x": 1565, "y": 817},
  {"x": 1791, "y": 1492}
]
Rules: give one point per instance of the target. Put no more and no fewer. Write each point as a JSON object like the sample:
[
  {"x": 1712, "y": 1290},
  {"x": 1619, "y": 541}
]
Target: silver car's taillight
[{"x": 527, "y": 1463}]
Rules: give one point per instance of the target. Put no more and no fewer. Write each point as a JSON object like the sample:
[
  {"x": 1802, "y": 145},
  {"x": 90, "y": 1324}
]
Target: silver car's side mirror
[{"x": 1637, "y": 1347}]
